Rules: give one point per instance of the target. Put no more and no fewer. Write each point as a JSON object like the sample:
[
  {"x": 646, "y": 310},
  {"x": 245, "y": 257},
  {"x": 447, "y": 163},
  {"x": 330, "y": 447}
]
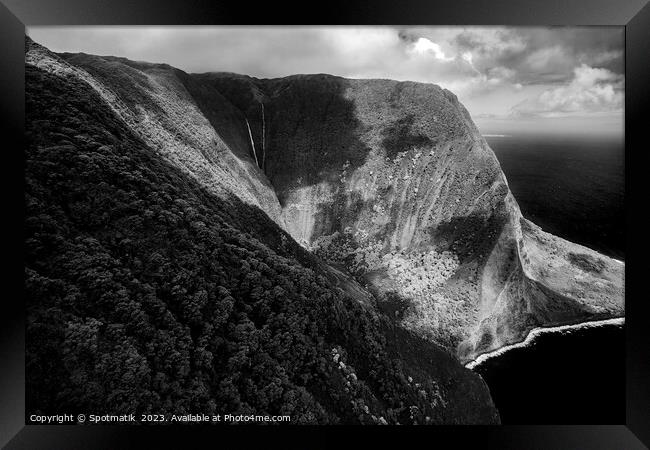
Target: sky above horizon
[{"x": 558, "y": 80}]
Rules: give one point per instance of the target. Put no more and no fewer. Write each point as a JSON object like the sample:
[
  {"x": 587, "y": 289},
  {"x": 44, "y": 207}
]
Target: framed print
[{"x": 384, "y": 221}]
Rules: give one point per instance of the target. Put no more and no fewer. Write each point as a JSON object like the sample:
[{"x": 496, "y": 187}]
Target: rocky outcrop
[{"x": 388, "y": 181}]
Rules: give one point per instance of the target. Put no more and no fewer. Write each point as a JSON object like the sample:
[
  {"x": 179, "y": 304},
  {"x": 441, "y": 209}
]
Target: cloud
[
  {"x": 539, "y": 55},
  {"x": 424, "y": 45},
  {"x": 592, "y": 90},
  {"x": 491, "y": 69}
]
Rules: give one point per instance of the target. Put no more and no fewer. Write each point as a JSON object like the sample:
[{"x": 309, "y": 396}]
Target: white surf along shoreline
[{"x": 535, "y": 332}]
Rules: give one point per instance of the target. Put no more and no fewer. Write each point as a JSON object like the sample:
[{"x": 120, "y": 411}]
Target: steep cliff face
[
  {"x": 388, "y": 181},
  {"x": 393, "y": 182},
  {"x": 155, "y": 286}
]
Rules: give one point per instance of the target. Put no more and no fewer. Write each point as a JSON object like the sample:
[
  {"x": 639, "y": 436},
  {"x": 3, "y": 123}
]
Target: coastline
[{"x": 535, "y": 332}]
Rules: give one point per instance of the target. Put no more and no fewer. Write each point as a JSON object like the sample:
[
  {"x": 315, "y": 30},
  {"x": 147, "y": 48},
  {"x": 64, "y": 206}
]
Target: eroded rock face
[
  {"x": 388, "y": 181},
  {"x": 393, "y": 182}
]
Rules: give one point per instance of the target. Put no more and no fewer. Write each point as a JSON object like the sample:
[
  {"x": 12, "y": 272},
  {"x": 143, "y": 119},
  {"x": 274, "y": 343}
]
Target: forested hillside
[{"x": 147, "y": 292}]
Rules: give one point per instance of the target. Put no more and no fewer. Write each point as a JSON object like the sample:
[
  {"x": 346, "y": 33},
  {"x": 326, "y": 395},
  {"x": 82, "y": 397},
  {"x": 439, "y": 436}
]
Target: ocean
[
  {"x": 562, "y": 378},
  {"x": 571, "y": 186}
]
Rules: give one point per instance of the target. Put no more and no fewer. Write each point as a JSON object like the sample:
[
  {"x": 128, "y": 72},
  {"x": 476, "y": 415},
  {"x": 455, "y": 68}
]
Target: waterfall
[
  {"x": 263, "y": 138},
  {"x": 252, "y": 143}
]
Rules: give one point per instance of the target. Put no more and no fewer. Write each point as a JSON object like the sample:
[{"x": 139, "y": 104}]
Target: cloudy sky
[{"x": 511, "y": 79}]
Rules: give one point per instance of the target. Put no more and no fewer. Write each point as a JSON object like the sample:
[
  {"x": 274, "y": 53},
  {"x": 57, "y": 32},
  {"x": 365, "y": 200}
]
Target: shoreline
[{"x": 535, "y": 332}]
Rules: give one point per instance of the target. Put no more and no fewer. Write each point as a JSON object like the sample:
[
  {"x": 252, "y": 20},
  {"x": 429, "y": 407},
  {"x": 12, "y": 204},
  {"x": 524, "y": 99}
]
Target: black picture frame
[{"x": 634, "y": 15}]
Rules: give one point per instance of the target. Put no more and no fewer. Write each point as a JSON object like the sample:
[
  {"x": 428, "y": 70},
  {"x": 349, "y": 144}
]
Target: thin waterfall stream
[
  {"x": 263, "y": 140},
  {"x": 250, "y": 135}
]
